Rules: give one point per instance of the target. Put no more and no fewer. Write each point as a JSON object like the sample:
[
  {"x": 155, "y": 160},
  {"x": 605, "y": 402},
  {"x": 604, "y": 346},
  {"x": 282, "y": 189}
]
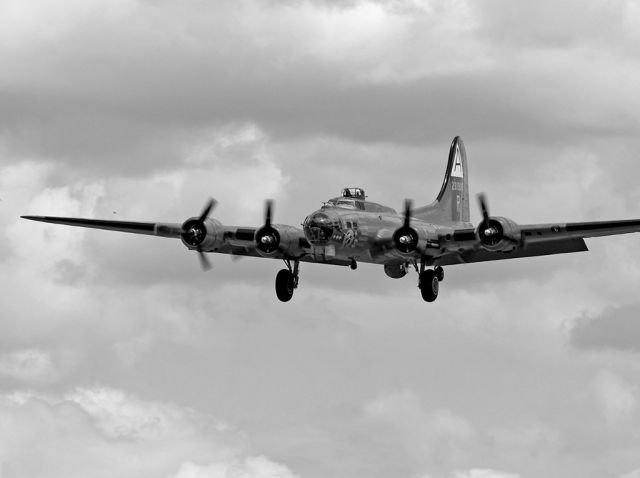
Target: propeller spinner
[
  {"x": 194, "y": 232},
  {"x": 406, "y": 237},
  {"x": 490, "y": 231},
  {"x": 267, "y": 237}
]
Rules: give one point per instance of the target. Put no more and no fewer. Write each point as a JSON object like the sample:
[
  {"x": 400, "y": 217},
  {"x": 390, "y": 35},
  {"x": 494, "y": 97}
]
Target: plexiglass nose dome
[{"x": 318, "y": 227}]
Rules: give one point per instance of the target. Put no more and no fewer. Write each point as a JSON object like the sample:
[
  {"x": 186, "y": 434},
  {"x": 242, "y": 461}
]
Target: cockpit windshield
[
  {"x": 345, "y": 203},
  {"x": 355, "y": 198}
]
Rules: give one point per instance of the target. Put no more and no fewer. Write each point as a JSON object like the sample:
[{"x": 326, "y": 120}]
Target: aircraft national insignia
[{"x": 457, "y": 170}]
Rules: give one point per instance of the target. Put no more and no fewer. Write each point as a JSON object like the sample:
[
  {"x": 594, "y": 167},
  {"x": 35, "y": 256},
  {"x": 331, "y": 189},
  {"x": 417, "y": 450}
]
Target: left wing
[
  {"x": 532, "y": 240},
  {"x": 534, "y": 232},
  {"x": 539, "y": 248}
]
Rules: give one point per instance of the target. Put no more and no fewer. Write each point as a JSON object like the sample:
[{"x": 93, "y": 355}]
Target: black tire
[
  {"x": 429, "y": 285},
  {"x": 439, "y": 273},
  {"x": 284, "y": 285}
]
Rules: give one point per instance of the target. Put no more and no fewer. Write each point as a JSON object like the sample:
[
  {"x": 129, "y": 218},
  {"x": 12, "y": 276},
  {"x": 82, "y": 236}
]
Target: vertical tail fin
[{"x": 452, "y": 203}]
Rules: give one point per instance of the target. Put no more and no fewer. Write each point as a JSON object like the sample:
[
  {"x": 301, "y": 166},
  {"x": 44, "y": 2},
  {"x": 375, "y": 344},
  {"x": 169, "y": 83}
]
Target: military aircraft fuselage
[
  {"x": 346, "y": 231},
  {"x": 355, "y": 229}
]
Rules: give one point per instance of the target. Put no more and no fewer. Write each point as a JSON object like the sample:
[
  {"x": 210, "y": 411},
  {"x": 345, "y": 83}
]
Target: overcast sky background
[{"x": 119, "y": 357}]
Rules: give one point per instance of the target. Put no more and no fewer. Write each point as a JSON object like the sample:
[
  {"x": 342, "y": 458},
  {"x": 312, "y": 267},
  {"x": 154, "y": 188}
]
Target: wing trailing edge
[{"x": 541, "y": 248}]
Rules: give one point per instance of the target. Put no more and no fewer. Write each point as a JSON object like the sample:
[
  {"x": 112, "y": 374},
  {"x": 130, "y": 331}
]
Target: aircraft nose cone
[
  {"x": 318, "y": 228},
  {"x": 320, "y": 220}
]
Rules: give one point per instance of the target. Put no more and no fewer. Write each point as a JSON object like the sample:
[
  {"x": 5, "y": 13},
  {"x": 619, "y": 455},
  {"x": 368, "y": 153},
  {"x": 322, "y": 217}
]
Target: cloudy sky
[{"x": 119, "y": 357}]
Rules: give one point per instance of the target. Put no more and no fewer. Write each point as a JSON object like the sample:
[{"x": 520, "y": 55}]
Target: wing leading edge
[
  {"x": 580, "y": 229},
  {"x": 173, "y": 230},
  {"x": 234, "y": 241},
  {"x": 541, "y": 240}
]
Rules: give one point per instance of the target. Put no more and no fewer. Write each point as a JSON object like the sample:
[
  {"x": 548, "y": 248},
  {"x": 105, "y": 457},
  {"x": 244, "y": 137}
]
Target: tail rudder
[{"x": 452, "y": 203}]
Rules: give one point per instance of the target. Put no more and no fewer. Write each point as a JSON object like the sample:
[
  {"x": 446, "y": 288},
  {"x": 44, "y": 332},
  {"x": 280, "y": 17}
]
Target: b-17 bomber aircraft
[{"x": 349, "y": 229}]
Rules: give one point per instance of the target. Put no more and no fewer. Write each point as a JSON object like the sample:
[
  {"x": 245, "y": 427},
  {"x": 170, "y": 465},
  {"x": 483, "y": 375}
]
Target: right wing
[
  {"x": 232, "y": 240},
  {"x": 149, "y": 228}
]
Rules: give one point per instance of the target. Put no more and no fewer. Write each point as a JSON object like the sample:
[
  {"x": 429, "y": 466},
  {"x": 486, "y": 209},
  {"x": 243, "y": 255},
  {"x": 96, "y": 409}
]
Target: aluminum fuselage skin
[{"x": 365, "y": 233}]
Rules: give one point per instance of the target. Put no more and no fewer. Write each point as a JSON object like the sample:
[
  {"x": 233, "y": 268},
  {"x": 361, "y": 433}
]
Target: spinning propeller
[
  {"x": 194, "y": 232},
  {"x": 406, "y": 237},
  {"x": 267, "y": 237},
  {"x": 491, "y": 231}
]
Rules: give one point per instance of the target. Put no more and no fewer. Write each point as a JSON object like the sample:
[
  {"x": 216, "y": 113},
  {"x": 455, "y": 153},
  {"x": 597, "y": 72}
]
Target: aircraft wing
[
  {"x": 540, "y": 248},
  {"x": 233, "y": 240},
  {"x": 532, "y": 233},
  {"x": 542, "y": 240},
  {"x": 149, "y": 228}
]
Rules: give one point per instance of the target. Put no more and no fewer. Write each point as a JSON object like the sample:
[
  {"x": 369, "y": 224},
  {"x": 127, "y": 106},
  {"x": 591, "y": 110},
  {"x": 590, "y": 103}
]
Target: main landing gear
[
  {"x": 287, "y": 280},
  {"x": 429, "y": 282}
]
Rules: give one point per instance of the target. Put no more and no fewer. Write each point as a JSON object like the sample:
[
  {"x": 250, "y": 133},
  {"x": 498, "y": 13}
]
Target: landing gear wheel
[
  {"x": 285, "y": 284},
  {"x": 439, "y": 273},
  {"x": 429, "y": 285}
]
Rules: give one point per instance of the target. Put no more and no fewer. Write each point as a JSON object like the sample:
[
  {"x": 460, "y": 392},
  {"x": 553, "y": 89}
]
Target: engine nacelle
[
  {"x": 201, "y": 235},
  {"x": 408, "y": 240},
  {"x": 499, "y": 234},
  {"x": 395, "y": 271},
  {"x": 271, "y": 238}
]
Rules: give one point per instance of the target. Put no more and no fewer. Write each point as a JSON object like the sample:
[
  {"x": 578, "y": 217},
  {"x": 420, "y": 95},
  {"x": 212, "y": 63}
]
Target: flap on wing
[{"x": 541, "y": 248}]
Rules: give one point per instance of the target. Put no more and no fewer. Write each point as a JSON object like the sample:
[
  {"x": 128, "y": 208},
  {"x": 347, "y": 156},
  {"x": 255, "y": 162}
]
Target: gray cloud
[
  {"x": 616, "y": 328},
  {"x": 140, "y": 110},
  {"x": 120, "y": 432},
  {"x": 131, "y": 113},
  {"x": 480, "y": 107}
]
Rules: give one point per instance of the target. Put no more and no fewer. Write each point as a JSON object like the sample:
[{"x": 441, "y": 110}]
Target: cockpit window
[{"x": 346, "y": 203}]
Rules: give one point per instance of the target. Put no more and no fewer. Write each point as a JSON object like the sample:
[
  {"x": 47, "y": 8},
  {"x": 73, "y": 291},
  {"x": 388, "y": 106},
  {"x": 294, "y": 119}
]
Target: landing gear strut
[
  {"x": 429, "y": 282},
  {"x": 287, "y": 280}
]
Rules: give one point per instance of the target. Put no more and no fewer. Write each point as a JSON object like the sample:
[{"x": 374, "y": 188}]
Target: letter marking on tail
[{"x": 457, "y": 170}]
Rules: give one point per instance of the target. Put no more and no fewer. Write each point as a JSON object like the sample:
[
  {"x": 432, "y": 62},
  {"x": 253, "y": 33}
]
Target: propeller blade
[
  {"x": 267, "y": 212},
  {"x": 407, "y": 212},
  {"x": 207, "y": 209},
  {"x": 482, "y": 200},
  {"x": 204, "y": 261}
]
